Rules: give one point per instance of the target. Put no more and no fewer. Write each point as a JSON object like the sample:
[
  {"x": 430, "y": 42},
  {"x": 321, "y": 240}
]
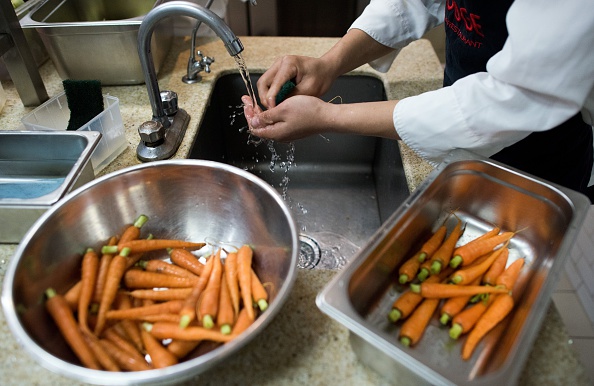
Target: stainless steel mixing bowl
[{"x": 187, "y": 199}]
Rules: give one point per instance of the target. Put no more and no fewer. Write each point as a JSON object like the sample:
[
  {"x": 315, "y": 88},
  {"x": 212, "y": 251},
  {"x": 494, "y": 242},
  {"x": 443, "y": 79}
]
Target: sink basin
[{"x": 340, "y": 188}]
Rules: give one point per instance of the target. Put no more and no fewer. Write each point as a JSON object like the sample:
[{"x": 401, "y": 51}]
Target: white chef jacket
[{"x": 543, "y": 76}]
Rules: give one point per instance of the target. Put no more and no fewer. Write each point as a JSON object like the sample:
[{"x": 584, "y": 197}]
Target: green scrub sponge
[
  {"x": 85, "y": 101},
  {"x": 285, "y": 91}
]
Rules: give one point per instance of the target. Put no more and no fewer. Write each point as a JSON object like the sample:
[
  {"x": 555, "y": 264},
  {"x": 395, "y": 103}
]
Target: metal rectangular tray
[
  {"x": 36, "y": 170},
  {"x": 482, "y": 193}
]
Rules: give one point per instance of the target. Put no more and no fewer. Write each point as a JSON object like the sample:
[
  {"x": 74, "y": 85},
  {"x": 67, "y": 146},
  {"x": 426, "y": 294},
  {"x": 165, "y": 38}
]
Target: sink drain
[{"x": 309, "y": 252}]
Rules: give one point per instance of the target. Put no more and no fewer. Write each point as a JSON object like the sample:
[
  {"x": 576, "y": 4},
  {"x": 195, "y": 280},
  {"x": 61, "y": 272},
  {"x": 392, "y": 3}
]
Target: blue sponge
[{"x": 285, "y": 91}]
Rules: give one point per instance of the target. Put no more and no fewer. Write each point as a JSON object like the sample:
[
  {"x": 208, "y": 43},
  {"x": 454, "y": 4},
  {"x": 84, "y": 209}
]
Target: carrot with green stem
[
  {"x": 161, "y": 295},
  {"x": 470, "y": 251},
  {"x": 454, "y": 305},
  {"x": 409, "y": 269},
  {"x": 508, "y": 278},
  {"x": 424, "y": 270},
  {"x": 188, "y": 312},
  {"x": 161, "y": 330},
  {"x": 259, "y": 293},
  {"x": 432, "y": 244},
  {"x": 122, "y": 358},
  {"x": 232, "y": 282},
  {"x": 414, "y": 326},
  {"x": 119, "y": 339},
  {"x": 73, "y": 295},
  {"x": 129, "y": 327},
  {"x": 226, "y": 313},
  {"x": 208, "y": 305},
  {"x": 466, "y": 319},
  {"x": 444, "y": 291},
  {"x": 132, "y": 232},
  {"x": 495, "y": 313},
  {"x": 496, "y": 269},
  {"x": 466, "y": 275},
  {"x": 116, "y": 271},
  {"x": 104, "y": 262},
  {"x": 159, "y": 355},
  {"x": 63, "y": 316},
  {"x": 242, "y": 323},
  {"x": 186, "y": 259},
  {"x": 244, "y": 277},
  {"x": 148, "y": 245},
  {"x": 104, "y": 359},
  {"x": 160, "y": 266},
  {"x": 137, "y": 278},
  {"x": 442, "y": 256},
  {"x": 169, "y": 307},
  {"x": 89, "y": 268}
]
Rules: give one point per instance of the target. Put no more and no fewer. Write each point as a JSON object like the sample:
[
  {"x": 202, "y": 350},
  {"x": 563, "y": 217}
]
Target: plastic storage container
[{"x": 55, "y": 114}]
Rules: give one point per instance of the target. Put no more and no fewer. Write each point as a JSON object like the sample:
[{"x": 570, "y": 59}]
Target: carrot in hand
[
  {"x": 444, "y": 291},
  {"x": 413, "y": 328},
  {"x": 188, "y": 312},
  {"x": 466, "y": 275},
  {"x": 62, "y": 315},
  {"x": 208, "y": 306},
  {"x": 441, "y": 257},
  {"x": 90, "y": 266},
  {"x": 231, "y": 274},
  {"x": 244, "y": 276},
  {"x": 187, "y": 260},
  {"x": 160, "y": 356},
  {"x": 259, "y": 293},
  {"x": 470, "y": 251}
]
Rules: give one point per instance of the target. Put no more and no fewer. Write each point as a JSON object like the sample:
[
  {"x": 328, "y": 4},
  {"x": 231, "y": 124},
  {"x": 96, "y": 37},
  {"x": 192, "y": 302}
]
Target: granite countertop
[{"x": 301, "y": 345}]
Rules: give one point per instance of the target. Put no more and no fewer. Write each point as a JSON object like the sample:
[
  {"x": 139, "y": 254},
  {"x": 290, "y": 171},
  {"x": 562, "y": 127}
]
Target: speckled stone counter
[{"x": 301, "y": 346}]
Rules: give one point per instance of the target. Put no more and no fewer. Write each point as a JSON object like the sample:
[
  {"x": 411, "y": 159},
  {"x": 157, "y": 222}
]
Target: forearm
[{"x": 370, "y": 118}]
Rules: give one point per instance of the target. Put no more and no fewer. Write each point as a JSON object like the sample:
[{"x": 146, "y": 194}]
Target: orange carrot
[
  {"x": 431, "y": 245},
  {"x": 452, "y": 306},
  {"x": 496, "y": 269},
  {"x": 104, "y": 262},
  {"x": 170, "y": 318},
  {"x": 161, "y": 295},
  {"x": 231, "y": 273},
  {"x": 90, "y": 266},
  {"x": 130, "y": 327},
  {"x": 497, "y": 311},
  {"x": 122, "y": 342},
  {"x": 146, "y": 245},
  {"x": 188, "y": 311},
  {"x": 409, "y": 269},
  {"x": 122, "y": 358},
  {"x": 162, "y": 330},
  {"x": 226, "y": 314},
  {"x": 160, "y": 266},
  {"x": 470, "y": 251},
  {"x": 441, "y": 257},
  {"x": 466, "y": 275},
  {"x": 444, "y": 291},
  {"x": 62, "y": 315},
  {"x": 132, "y": 232},
  {"x": 187, "y": 260},
  {"x": 137, "y": 278},
  {"x": 259, "y": 293},
  {"x": 244, "y": 276},
  {"x": 117, "y": 267},
  {"x": 466, "y": 319},
  {"x": 424, "y": 270},
  {"x": 509, "y": 277},
  {"x": 413, "y": 328},
  {"x": 104, "y": 359},
  {"x": 169, "y": 307},
  {"x": 181, "y": 348},
  {"x": 242, "y": 323},
  {"x": 73, "y": 295},
  {"x": 160, "y": 356},
  {"x": 208, "y": 306}
]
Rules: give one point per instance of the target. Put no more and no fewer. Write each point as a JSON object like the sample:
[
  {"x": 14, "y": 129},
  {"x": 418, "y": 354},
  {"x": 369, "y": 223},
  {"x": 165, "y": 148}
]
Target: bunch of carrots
[
  {"x": 470, "y": 285},
  {"x": 123, "y": 309}
]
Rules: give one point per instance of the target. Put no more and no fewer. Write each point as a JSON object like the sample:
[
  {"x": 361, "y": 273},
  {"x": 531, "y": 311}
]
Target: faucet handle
[
  {"x": 152, "y": 133},
  {"x": 169, "y": 100}
]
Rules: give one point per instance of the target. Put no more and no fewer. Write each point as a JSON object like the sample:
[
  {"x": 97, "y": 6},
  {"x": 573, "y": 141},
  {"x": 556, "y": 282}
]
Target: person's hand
[
  {"x": 312, "y": 76},
  {"x": 297, "y": 117}
]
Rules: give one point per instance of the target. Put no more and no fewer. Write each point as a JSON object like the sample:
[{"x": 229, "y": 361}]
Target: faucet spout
[{"x": 176, "y": 8}]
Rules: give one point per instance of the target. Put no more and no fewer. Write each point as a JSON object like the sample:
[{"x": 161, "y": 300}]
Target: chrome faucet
[
  {"x": 161, "y": 137},
  {"x": 202, "y": 64}
]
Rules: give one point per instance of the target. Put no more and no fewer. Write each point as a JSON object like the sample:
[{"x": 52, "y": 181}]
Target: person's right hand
[{"x": 312, "y": 76}]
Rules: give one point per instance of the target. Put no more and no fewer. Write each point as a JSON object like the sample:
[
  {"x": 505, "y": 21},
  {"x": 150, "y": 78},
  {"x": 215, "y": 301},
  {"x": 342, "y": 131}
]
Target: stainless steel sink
[{"x": 341, "y": 188}]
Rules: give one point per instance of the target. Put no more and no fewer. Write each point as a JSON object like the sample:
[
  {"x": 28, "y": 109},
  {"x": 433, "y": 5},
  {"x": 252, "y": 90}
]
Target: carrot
[
  {"x": 259, "y": 293},
  {"x": 132, "y": 232},
  {"x": 129, "y": 327},
  {"x": 73, "y": 295},
  {"x": 466, "y": 275},
  {"x": 115, "y": 273},
  {"x": 188, "y": 311},
  {"x": 454, "y": 305},
  {"x": 431, "y": 245},
  {"x": 187, "y": 260},
  {"x": 169, "y": 307},
  {"x": 470, "y": 251},
  {"x": 170, "y": 318},
  {"x": 104, "y": 262},
  {"x": 409, "y": 269},
  {"x": 425, "y": 270},
  {"x": 444, "y": 291},
  {"x": 181, "y": 348},
  {"x": 137, "y": 278},
  {"x": 466, "y": 319},
  {"x": 104, "y": 359},
  {"x": 160, "y": 356},
  {"x": 161, "y": 295},
  {"x": 208, "y": 306},
  {"x": 62, "y": 315},
  {"x": 90, "y": 266},
  {"x": 413, "y": 328},
  {"x": 509, "y": 277},
  {"x": 122, "y": 358},
  {"x": 160, "y": 266},
  {"x": 442, "y": 256},
  {"x": 119, "y": 340},
  {"x": 497, "y": 311},
  {"x": 226, "y": 314},
  {"x": 496, "y": 269},
  {"x": 244, "y": 276},
  {"x": 146, "y": 245},
  {"x": 242, "y": 323},
  {"x": 231, "y": 273},
  {"x": 162, "y": 330}
]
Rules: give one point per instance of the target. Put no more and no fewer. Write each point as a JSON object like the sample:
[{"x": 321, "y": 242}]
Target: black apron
[{"x": 475, "y": 31}]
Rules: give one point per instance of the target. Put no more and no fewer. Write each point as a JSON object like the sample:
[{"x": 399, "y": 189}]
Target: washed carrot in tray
[
  {"x": 424, "y": 270},
  {"x": 466, "y": 275},
  {"x": 508, "y": 278},
  {"x": 441, "y": 257},
  {"x": 470, "y": 251},
  {"x": 454, "y": 305},
  {"x": 413, "y": 328},
  {"x": 431, "y": 245},
  {"x": 496, "y": 269},
  {"x": 465, "y": 320},
  {"x": 444, "y": 291},
  {"x": 410, "y": 268}
]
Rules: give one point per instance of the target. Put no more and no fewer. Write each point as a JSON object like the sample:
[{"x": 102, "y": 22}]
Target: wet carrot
[
  {"x": 208, "y": 306},
  {"x": 509, "y": 277},
  {"x": 188, "y": 312},
  {"x": 116, "y": 270},
  {"x": 231, "y": 274},
  {"x": 244, "y": 276},
  {"x": 170, "y": 318},
  {"x": 442, "y": 255},
  {"x": 104, "y": 359},
  {"x": 89, "y": 268},
  {"x": 452, "y": 306},
  {"x": 161, "y": 330},
  {"x": 413, "y": 328},
  {"x": 466, "y": 319},
  {"x": 132, "y": 232},
  {"x": 160, "y": 356},
  {"x": 161, "y": 295},
  {"x": 122, "y": 358},
  {"x": 226, "y": 314},
  {"x": 187, "y": 260},
  {"x": 137, "y": 278},
  {"x": 104, "y": 262},
  {"x": 129, "y": 327},
  {"x": 62, "y": 315},
  {"x": 409, "y": 269},
  {"x": 424, "y": 270},
  {"x": 496, "y": 269},
  {"x": 181, "y": 348},
  {"x": 169, "y": 307},
  {"x": 430, "y": 246},
  {"x": 497, "y": 311},
  {"x": 118, "y": 339},
  {"x": 466, "y": 275},
  {"x": 444, "y": 291},
  {"x": 72, "y": 295},
  {"x": 146, "y": 245},
  {"x": 259, "y": 293},
  {"x": 470, "y": 251},
  {"x": 242, "y": 323},
  {"x": 160, "y": 266}
]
